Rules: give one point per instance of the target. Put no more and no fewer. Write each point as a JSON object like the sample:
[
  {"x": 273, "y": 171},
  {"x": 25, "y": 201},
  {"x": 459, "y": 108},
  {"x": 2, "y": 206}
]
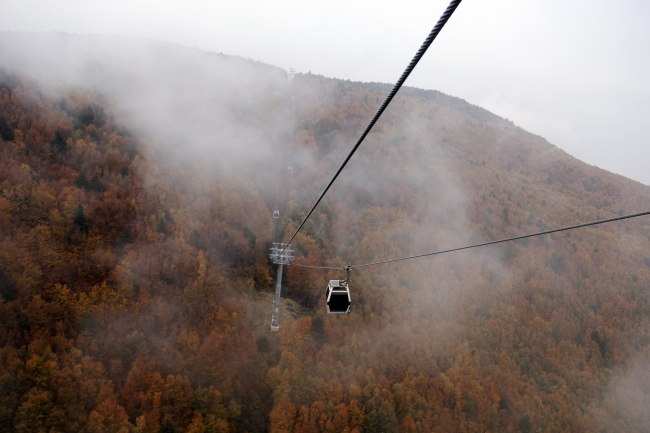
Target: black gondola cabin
[{"x": 338, "y": 297}]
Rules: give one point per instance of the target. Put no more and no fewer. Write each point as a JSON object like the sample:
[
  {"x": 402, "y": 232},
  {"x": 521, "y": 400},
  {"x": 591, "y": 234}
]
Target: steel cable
[
  {"x": 545, "y": 232},
  {"x": 576, "y": 226},
  {"x": 315, "y": 267},
  {"x": 427, "y": 42}
]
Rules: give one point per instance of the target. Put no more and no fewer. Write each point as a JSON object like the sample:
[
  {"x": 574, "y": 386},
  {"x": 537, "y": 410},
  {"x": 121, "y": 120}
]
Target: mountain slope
[{"x": 132, "y": 258}]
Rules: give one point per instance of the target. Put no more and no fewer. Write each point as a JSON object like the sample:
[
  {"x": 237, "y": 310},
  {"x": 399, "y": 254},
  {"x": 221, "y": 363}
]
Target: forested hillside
[{"x": 134, "y": 233}]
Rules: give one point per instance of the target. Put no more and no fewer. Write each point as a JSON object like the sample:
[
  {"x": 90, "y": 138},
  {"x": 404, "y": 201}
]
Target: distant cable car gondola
[
  {"x": 338, "y": 296},
  {"x": 276, "y": 214},
  {"x": 290, "y": 170}
]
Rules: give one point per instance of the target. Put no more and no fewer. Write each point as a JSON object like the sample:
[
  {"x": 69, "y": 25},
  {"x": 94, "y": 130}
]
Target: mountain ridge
[{"x": 136, "y": 219}]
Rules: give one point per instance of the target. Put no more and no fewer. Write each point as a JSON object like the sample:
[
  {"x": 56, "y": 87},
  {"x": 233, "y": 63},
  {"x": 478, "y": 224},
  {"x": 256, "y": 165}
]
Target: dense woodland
[{"x": 129, "y": 269}]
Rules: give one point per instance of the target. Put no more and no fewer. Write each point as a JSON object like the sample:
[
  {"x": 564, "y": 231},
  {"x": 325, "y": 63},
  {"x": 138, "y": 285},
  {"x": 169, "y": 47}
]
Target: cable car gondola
[{"x": 338, "y": 296}]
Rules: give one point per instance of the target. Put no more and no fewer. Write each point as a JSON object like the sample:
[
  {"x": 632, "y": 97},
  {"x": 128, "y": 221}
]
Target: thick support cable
[
  {"x": 423, "y": 49},
  {"x": 592, "y": 223},
  {"x": 316, "y": 267}
]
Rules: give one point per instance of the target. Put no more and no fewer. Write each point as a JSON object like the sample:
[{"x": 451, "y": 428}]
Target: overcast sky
[{"x": 575, "y": 72}]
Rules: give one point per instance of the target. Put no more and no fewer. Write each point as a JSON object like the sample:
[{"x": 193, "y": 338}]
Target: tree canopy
[{"x": 135, "y": 289}]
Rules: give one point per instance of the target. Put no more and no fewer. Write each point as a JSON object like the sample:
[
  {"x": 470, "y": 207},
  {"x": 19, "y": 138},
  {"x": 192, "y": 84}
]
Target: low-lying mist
[
  {"x": 549, "y": 331},
  {"x": 206, "y": 110}
]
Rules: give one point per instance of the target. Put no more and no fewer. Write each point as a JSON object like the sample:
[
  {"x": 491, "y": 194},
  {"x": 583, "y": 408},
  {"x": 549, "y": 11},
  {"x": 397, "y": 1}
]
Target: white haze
[
  {"x": 214, "y": 112},
  {"x": 627, "y": 398},
  {"x": 199, "y": 108},
  {"x": 411, "y": 193},
  {"x": 573, "y": 72}
]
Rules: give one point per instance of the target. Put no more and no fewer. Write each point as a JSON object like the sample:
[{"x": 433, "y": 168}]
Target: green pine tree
[
  {"x": 162, "y": 228},
  {"x": 80, "y": 219},
  {"x": 96, "y": 184},
  {"x": 127, "y": 237},
  {"x": 195, "y": 240},
  {"x": 167, "y": 427},
  {"x": 7, "y": 289},
  {"x": 82, "y": 181}
]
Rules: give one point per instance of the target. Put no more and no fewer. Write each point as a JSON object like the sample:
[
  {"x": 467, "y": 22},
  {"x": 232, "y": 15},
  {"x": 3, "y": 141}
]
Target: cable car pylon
[{"x": 282, "y": 254}]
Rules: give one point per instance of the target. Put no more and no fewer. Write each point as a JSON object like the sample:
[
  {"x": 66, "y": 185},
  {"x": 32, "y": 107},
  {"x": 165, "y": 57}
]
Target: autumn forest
[{"x": 136, "y": 288}]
